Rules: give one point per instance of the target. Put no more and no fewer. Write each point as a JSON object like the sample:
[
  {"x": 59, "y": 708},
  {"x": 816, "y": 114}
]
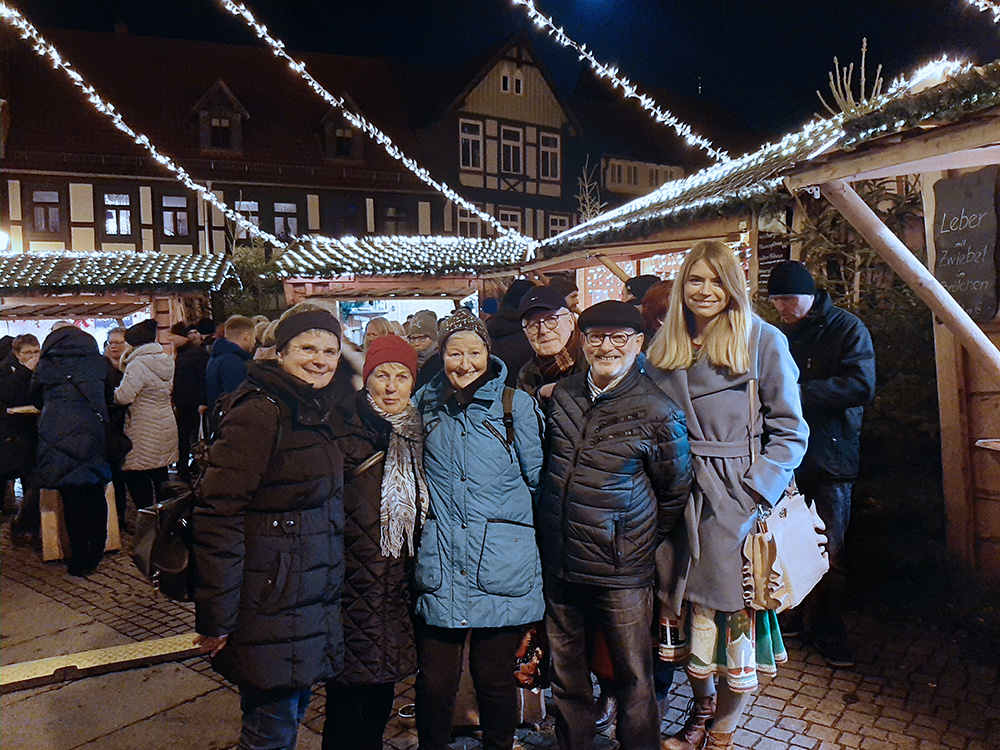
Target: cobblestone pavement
[{"x": 913, "y": 686}]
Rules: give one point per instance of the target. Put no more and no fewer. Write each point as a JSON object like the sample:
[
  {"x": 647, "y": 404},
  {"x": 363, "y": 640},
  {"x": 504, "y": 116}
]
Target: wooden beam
[
  {"x": 613, "y": 267},
  {"x": 913, "y": 272},
  {"x": 941, "y": 144}
]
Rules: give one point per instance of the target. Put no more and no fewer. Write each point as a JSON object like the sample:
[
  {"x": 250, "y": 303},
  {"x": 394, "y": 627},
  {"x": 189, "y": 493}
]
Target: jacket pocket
[
  {"x": 507, "y": 563},
  {"x": 427, "y": 570},
  {"x": 490, "y": 428},
  {"x": 266, "y": 575},
  {"x": 618, "y": 540}
]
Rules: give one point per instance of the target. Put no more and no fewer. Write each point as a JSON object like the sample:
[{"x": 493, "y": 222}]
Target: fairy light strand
[
  {"x": 629, "y": 90},
  {"x": 986, "y": 6},
  {"x": 45, "y": 50},
  {"x": 278, "y": 47}
]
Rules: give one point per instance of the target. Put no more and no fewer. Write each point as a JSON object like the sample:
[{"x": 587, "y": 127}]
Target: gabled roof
[
  {"x": 324, "y": 257},
  {"x": 32, "y": 273},
  {"x": 154, "y": 83},
  {"x": 220, "y": 87},
  {"x": 754, "y": 181}
]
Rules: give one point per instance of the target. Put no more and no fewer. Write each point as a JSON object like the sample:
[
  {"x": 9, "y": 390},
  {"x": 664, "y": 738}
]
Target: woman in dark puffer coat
[
  {"x": 385, "y": 498},
  {"x": 268, "y": 525},
  {"x": 70, "y": 384}
]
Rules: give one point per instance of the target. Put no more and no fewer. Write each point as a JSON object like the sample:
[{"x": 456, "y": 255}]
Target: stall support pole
[{"x": 914, "y": 273}]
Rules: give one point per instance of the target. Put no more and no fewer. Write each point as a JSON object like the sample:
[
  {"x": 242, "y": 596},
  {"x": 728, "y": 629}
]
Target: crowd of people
[{"x": 421, "y": 501}]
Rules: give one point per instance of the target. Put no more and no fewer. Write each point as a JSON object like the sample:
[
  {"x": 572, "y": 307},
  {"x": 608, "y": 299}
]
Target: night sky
[{"x": 763, "y": 60}]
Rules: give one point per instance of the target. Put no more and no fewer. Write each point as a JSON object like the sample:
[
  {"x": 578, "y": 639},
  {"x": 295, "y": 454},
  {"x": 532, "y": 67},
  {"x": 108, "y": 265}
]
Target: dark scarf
[{"x": 553, "y": 367}]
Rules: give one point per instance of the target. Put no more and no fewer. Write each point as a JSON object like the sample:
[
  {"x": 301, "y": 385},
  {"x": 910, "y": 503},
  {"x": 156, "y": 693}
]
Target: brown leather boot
[
  {"x": 719, "y": 741},
  {"x": 692, "y": 734}
]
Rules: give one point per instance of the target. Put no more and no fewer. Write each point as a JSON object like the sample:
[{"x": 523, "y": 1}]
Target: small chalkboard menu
[
  {"x": 772, "y": 248},
  {"x": 965, "y": 239}
]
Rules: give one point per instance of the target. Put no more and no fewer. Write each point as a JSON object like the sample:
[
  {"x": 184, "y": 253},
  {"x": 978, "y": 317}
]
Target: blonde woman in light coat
[{"x": 149, "y": 424}]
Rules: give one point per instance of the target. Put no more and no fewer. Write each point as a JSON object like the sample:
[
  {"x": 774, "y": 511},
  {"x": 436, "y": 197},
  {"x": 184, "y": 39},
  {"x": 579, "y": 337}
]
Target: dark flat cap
[
  {"x": 541, "y": 299},
  {"x": 613, "y": 314}
]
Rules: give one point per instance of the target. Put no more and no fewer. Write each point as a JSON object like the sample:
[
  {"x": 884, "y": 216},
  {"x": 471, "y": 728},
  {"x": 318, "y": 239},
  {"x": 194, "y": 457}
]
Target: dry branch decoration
[
  {"x": 589, "y": 195},
  {"x": 842, "y": 84}
]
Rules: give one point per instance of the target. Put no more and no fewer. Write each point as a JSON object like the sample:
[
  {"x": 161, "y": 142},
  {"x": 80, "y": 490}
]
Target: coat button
[
  {"x": 463, "y": 572},
  {"x": 464, "y": 622},
  {"x": 274, "y": 523},
  {"x": 465, "y": 525}
]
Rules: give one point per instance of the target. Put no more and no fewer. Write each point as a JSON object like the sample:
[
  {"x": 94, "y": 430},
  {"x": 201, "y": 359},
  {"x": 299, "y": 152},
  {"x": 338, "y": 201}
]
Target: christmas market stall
[{"x": 79, "y": 286}]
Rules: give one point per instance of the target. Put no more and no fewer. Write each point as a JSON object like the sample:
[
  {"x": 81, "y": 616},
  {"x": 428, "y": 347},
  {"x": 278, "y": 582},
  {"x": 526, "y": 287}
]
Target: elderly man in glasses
[
  {"x": 618, "y": 477},
  {"x": 554, "y": 338}
]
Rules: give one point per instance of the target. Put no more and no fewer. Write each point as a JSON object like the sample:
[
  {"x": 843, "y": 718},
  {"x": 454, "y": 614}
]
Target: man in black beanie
[{"x": 833, "y": 350}]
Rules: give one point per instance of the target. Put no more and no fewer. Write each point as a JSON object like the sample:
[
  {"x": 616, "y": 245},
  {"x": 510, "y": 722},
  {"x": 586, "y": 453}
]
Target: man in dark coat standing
[
  {"x": 617, "y": 480},
  {"x": 833, "y": 350},
  {"x": 227, "y": 367},
  {"x": 189, "y": 390},
  {"x": 509, "y": 342}
]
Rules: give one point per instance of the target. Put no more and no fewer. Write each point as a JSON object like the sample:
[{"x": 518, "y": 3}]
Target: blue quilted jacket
[{"x": 477, "y": 563}]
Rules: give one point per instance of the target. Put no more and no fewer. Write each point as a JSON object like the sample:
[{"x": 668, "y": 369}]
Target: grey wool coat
[{"x": 705, "y": 563}]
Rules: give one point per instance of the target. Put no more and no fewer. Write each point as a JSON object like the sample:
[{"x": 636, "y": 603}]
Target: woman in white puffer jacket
[{"x": 150, "y": 424}]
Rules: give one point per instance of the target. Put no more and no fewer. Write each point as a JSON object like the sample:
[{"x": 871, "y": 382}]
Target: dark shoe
[
  {"x": 790, "y": 624},
  {"x": 78, "y": 569},
  {"x": 606, "y": 711},
  {"x": 701, "y": 711},
  {"x": 835, "y": 650}
]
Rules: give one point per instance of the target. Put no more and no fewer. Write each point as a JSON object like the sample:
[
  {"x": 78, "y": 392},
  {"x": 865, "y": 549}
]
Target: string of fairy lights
[
  {"x": 278, "y": 47},
  {"x": 987, "y": 6},
  {"x": 629, "y": 90},
  {"x": 45, "y": 50}
]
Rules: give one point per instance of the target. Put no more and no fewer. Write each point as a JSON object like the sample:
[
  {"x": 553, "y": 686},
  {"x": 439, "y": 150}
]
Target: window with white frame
[
  {"x": 654, "y": 177},
  {"x": 505, "y": 83},
  {"x": 632, "y": 174},
  {"x": 510, "y": 218},
  {"x": 45, "y": 214},
  {"x": 558, "y": 223},
  {"x": 175, "y": 215},
  {"x": 286, "y": 222},
  {"x": 395, "y": 220},
  {"x": 518, "y": 84},
  {"x": 549, "y": 155},
  {"x": 117, "y": 214},
  {"x": 511, "y": 150},
  {"x": 471, "y": 140},
  {"x": 469, "y": 225},
  {"x": 250, "y": 211},
  {"x": 615, "y": 173},
  {"x": 343, "y": 143}
]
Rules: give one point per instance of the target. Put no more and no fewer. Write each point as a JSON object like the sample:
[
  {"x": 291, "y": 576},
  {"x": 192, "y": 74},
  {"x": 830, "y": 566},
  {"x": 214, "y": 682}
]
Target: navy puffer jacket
[
  {"x": 617, "y": 480},
  {"x": 70, "y": 383}
]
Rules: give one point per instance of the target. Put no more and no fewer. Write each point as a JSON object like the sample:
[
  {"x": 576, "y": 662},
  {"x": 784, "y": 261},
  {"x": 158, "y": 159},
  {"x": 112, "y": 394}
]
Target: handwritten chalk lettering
[
  {"x": 961, "y": 222},
  {"x": 956, "y": 257},
  {"x": 967, "y": 285}
]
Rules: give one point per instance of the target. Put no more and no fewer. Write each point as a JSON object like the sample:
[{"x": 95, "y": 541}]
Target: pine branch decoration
[{"x": 842, "y": 87}]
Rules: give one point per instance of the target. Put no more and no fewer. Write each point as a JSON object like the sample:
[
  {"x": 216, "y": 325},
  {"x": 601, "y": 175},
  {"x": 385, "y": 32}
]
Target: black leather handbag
[{"x": 163, "y": 542}]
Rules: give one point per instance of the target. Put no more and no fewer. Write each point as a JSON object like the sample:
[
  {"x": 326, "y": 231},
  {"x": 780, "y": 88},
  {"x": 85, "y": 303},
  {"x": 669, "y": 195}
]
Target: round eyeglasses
[
  {"x": 618, "y": 339},
  {"x": 534, "y": 327}
]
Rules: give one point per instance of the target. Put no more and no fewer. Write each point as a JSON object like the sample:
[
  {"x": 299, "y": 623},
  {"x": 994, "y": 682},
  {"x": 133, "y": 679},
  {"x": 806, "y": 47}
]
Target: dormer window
[
  {"x": 220, "y": 120},
  {"x": 341, "y": 141}
]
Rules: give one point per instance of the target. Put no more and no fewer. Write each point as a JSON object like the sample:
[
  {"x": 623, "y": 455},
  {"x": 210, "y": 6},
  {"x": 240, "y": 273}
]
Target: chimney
[{"x": 121, "y": 28}]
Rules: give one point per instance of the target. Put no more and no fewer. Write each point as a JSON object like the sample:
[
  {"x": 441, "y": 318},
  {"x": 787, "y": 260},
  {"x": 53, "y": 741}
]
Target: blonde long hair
[{"x": 727, "y": 337}]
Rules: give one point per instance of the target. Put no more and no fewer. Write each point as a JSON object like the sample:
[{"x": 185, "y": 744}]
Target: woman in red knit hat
[{"x": 385, "y": 500}]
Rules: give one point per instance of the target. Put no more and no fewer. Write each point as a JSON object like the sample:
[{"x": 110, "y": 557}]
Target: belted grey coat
[{"x": 707, "y": 560}]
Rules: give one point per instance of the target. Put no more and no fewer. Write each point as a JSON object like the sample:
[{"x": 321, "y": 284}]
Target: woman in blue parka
[{"x": 477, "y": 565}]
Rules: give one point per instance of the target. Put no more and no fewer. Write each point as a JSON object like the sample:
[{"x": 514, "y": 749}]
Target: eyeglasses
[
  {"x": 618, "y": 339},
  {"x": 310, "y": 351},
  {"x": 418, "y": 337},
  {"x": 551, "y": 322}
]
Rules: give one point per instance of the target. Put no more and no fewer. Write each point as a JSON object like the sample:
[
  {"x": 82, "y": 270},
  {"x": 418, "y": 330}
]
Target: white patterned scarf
[{"x": 404, "y": 489}]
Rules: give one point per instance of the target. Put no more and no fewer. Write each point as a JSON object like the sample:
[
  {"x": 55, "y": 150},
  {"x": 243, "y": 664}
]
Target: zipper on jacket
[
  {"x": 619, "y": 528},
  {"x": 496, "y": 433}
]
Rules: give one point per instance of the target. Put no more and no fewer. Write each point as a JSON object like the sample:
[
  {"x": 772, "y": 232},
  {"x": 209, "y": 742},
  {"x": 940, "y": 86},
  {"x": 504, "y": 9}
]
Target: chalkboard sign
[
  {"x": 772, "y": 248},
  {"x": 965, "y": 239}
]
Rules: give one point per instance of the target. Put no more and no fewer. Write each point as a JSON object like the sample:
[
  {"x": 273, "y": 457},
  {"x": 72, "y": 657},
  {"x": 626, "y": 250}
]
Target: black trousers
[
  {"x": 356, "y": 715},
  {"x": 187, "y": 433},
  {"x": 144, "y": 486},
  {"x": 440, "y": 653},
  {"x": 86, "y": 514}
]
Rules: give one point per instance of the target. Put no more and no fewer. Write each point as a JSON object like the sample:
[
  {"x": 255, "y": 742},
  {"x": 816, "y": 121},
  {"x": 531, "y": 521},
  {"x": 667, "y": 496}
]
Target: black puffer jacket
[
  {"x": 71, "y": 440},
  {"x": 268, "y": 536},
  {"x": 18, "y": 432},
  {"x": 189, "y": 377},
  {"x": 833, "y": 350},
  {"x": 378, "y": 629},
  {"x": 618, "y": 477},
  {"x": 509, "y": 342}
]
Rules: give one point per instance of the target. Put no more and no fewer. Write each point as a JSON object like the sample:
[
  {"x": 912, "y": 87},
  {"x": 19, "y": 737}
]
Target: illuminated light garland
[
  {"x": 628, "y": 89},
  {"x": 278, "y": 47},
  {"x": 382, "y": 255},
  {"x": 986, "y": 6},
  {"x": 46, "y": 50}
]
